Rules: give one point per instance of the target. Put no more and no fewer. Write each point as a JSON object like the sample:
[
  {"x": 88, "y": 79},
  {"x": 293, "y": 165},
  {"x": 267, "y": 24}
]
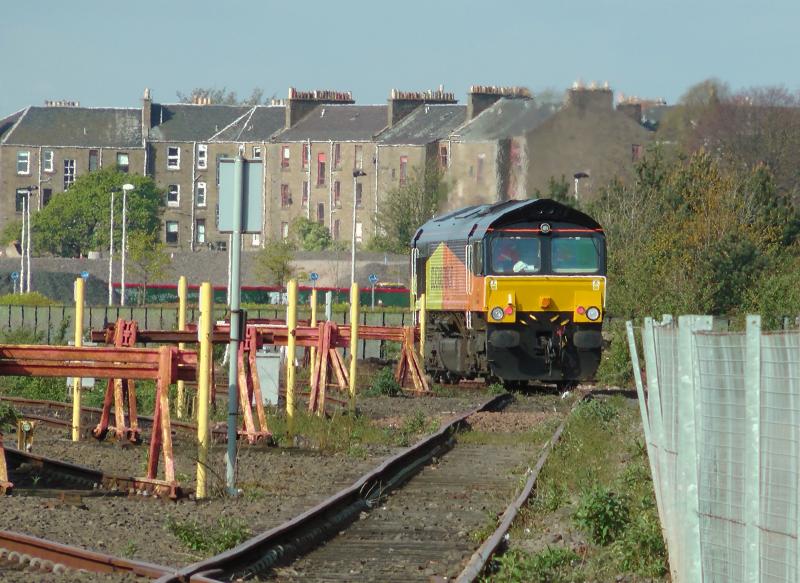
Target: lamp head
[{"x": 127, "y": 187}]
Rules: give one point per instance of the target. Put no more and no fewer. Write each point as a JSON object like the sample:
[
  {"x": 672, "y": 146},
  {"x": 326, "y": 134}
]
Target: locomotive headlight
[
  {"x": 593, "y": 313},
  {"x": 497, "y": 313},
  {"x": 544, "y": 228}
]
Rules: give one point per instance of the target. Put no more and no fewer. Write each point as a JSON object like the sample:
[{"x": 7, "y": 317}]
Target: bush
[
  {"x": 384, "y": 383},
  {"x": 602, "y": 514},
  {"x": 641, "y": 547},
  {"x": 27, "y": 299},
  {"x": 615, "y": 365},
  {"x": 598, "y": 410},
  {"x": 546, "y": 566},
  {"x": 8, "y": 417}
]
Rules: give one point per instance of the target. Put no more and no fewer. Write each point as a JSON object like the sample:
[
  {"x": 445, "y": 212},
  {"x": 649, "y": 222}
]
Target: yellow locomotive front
[{"x": 516, "y": 291}]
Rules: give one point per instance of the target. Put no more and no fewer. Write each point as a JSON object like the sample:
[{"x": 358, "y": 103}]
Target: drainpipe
[
  {"x": 377, "y": 165},
  {"x": 191, "y": 194},
  {"x": 308, "y": 177},
  {"x": 330, "y": 186}
]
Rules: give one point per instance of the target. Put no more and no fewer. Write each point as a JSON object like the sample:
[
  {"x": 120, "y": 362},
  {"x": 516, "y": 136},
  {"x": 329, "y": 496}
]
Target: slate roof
[
  {"x": 338, "y": 122},
  {"x": 258, "y": 124},
  {"x": 506, "y": 118},
  {"x": 8, "y": 122},
  {"x": 184, "y": 122},
  {"x": 426, "y": 124},
  {"x": 76, "y": 127}
]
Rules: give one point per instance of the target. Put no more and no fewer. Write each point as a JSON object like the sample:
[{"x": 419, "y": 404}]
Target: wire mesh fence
[{"x": 721, "y": 414}]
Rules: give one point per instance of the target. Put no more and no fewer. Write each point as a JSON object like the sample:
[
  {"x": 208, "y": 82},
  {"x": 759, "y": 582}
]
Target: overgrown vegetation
[
  {"x": 206, "y": 539},
  {"x": 596, "y": 492},
  {"x": 383, "y": 383},
  {"x": 26, "y": 299},
  {"x": 8, "y": 417}
]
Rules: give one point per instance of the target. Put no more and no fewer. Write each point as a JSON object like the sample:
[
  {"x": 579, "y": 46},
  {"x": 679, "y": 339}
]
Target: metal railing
[{"x": 721, "y": 416}]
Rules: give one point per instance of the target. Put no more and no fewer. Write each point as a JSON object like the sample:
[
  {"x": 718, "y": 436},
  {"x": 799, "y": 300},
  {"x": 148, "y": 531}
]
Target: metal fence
[
  {"x": 721, "y": 417},
  {"x": 48, "y": 322}
]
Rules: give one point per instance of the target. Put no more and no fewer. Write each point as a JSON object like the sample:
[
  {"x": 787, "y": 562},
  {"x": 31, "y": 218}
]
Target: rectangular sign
[{"x": 252, "y": 204}]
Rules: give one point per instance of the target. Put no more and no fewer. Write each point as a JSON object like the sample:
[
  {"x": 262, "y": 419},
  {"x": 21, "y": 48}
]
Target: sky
[{"x": 105, "y": 53}]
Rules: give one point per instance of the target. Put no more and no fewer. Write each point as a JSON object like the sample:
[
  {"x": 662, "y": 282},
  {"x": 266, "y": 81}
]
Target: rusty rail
[
  {"x": 309, "y": 529},
  {"x": 493, "y": 544}
]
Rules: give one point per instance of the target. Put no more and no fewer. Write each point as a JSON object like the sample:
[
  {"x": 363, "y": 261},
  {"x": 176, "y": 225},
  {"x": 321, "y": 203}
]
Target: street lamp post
[
  {"x": 111, "y": 254},
  {"x": 126, "y": 188},
  {"x": 357, "y": 173}
]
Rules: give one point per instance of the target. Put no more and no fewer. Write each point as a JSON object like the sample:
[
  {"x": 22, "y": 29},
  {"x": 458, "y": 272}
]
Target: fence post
[
  {"x": 752, "y": 386},
  {"x": 291, "y": 325},
  {"x": 76, "y": 381},
  {"x": 182, "y": 289},
  {"x": 353, "y": 343},
  {"x": 203, "y": 386}
]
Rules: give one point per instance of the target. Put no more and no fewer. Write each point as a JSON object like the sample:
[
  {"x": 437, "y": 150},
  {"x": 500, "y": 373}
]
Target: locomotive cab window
[
  {"x": 576, "y": 254},
  {"x": 515, "y": 254}
]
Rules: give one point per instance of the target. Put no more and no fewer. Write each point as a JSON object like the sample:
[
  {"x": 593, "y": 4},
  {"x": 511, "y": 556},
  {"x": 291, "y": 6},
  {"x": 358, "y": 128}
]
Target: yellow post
[
  {"x": 182, "y": 289},
  {"x": 313, "y": 358},
  {"x": 76, "y": 381},
  {"x": 423, "y": 321},
  {"x": 353, "y": 342},
  {"x": 203, "y": 386},
  {"x": 291, "y": 325}
]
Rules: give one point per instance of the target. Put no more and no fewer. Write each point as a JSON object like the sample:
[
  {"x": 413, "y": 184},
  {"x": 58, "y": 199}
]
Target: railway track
[{"x": 420, "y": 515}]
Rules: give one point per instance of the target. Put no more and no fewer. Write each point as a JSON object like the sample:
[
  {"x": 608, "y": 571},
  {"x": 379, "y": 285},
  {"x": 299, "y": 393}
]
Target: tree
[
  {"x": 222, "y": 96},
  {"x": 11, "y": 232},
  {"x": 311, "y": 235},
  {"x": 557, "y": 190},
  {"x": 148, "y": 259},
  {"x": 406, "y": 208},
  {"x": 77, "y": 221},
  {"x": 274, "y": 263}
]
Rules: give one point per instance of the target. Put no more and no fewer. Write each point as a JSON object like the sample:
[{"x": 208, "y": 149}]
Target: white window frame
[
  {"x": 286, "y": 153},
  {"x": 167, "y": 230},
  {"x": 48, "y": 161},
  {"x": 70, "y": 173},
  {"x": 284, "y": 230},
  {"x": 256, "y": 240},
  {"x": 201, "y": 188},
  {"x": 177, "y": 193},
  {"x": 24, "y": 157},
  {"x": 200, "y": 233},
  {"x": 257, "y": 152},
  {"x": 202, "y": 156},
  {"x": 174, "y": 160},
  {"x": 359, "y": 232},
  {"x": 127, "y": 157}
]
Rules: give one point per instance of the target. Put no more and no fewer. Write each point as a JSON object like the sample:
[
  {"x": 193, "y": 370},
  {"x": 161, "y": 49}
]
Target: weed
[
  {"x": 483, "y": 532},
  {"x": 550, "y": 497},
  {"x": 225, "y": 534},
  {"x": 384, "y": 383},
  {"x": 547, "y": 566},
  {"x": 130, "y": 550},
  {"x": 441, "y": 391},
  {"x": 413, "y": 425},
  {"x": 496, "y": 389},
  {"x": 602, "y": 514},
  {"x": 8, "y": 417},
  {"x": 599, "y": 410}
]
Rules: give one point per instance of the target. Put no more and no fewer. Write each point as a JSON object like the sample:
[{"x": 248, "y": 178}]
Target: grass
[
  {"x": 596, "y": 489},
  {"x": 534, "y": 437},
  {"x": 209, "y": 539}
]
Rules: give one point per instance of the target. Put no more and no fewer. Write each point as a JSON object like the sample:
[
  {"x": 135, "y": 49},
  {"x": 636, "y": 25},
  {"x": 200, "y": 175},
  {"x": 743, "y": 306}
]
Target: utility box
[{"x": 268, "y": 365}]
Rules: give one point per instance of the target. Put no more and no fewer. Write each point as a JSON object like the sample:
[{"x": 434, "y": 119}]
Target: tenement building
[{"x": 325, "y": 157}]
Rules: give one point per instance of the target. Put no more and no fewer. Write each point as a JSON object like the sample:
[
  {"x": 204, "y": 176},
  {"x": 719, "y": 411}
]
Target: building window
[
  {"x": 94, "y": 160},
  {"x": 636, "y": 152},
  {"x": 479, "y": 168},
  {"x": 403, "y": 170},
  {"x": 174, "y": 195},
  {"x": 173, "y": 158},
  {"x": 19, "y": 204},
  {"x": 256, "y": 152},
  {"x": 23, "y": 162},
  {"x": 359, "y": 194},
  {"x": 47, "y": 194},
  {"x": 359, "y": 232},
  {"x": 47, "y": 161},
  {"x": 443, "y": 156},
  {"x": 255, "y": 241},
  {"x": 200, "y": 231},
  {"x": 284, "y": 230},
  {"x": 200, "y": 194},
  {"x": 337, "y": 156},
  {"x": 304, "y": 199},
  {"x": 284, "y": 156},
  {"x": 222, "y": 245},
  {"x": 216, "y": 215},
  {"x": 337, "y": 194},
  {"x": 336, "y": 229},
  {"x": 172, "y": 232},
  {"x": 202, "y": 156},
  {"x": 122, "y": 161},
  {"x": 286, "y": 196},
  {"x": 321, "y": 213},
  {"x": 69, "y": 173},
  {"x": 358, "y": 158},
  {"x": 321, "y": 169},
  {"x": 306, "y": 155}
]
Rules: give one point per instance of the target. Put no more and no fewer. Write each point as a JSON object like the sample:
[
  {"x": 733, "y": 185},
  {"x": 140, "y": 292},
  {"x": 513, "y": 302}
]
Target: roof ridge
[{"x": 16, "y": 123}]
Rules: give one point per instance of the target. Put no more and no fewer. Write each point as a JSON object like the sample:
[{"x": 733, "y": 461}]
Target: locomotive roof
[{"x": 475, "y": 221}]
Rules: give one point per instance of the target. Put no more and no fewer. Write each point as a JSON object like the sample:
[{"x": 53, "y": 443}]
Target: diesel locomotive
[{"x": 514, "y": 291}]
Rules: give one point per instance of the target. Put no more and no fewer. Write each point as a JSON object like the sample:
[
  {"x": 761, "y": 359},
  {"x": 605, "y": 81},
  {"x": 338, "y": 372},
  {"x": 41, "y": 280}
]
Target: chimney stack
[
  {"x": 300, "y": 103},
  {"x": 481, "y": 97},
  {"x": 402, "y": 103},
  {"x": 147, "y": 115},
  {"x": 591, "y": 98}
]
